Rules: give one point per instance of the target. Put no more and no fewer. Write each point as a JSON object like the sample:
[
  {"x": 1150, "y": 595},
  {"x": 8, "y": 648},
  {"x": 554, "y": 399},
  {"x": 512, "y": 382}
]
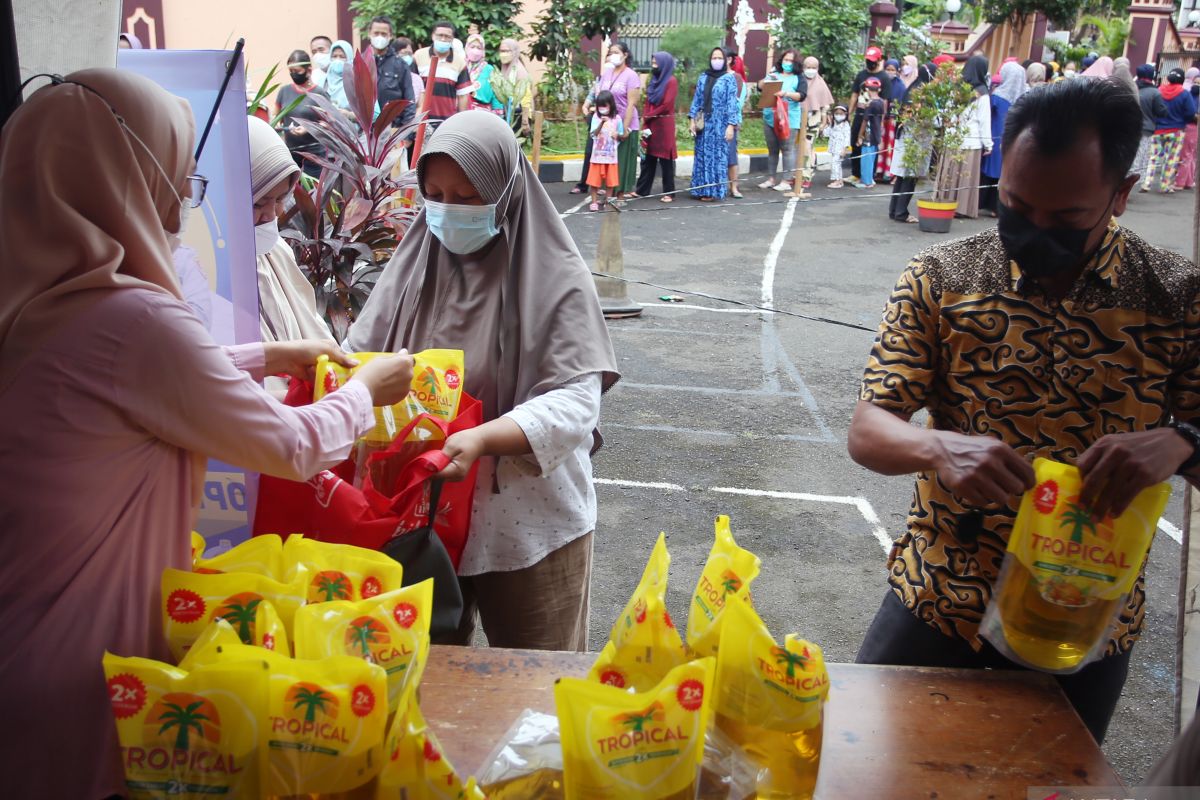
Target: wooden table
[{"x": 890, "y": 732}]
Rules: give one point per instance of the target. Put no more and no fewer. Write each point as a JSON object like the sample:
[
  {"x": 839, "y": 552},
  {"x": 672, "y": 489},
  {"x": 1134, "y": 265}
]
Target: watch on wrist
[{"x": 1192, "y": 435}]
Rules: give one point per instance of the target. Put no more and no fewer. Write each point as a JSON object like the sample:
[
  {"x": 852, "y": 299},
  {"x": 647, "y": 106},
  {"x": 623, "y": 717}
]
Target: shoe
[
  {"x": 782, "y": 186},
  {"x": 865, "y": 185},
  {"x": 576, "y": 190},
  {"x": 767, "y": 184},
  {"x": 806, "y": 185},
  {"x": 593, "y": 207},
  {"x": 737, "y": 195}
]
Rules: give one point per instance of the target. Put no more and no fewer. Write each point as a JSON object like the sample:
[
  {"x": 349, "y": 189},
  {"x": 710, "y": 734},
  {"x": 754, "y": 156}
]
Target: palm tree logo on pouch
[
  {"x": 311, "y": 698},
  {"x": 637, "y": 722},
  {"x": 1079, "y": 519},
  {"x": 332, "y": 585},
  {"x": 183, "y": 716},
  {"x": 240, "y": 611},
  {"x": 364, "y": 632},
  {"x": 429, "y": 381},
  {"x": 785, "y": 657},
  {"x": 730, "y": 582}
]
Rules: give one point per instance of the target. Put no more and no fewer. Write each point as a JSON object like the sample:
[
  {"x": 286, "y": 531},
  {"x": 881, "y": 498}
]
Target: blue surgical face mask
[
  {"x": 336, "y": 66},
  {"x": 465, "y": 229},
  {"x": 407, "y": 59},
  {"x": 788, "y": 67},
  {"x": 441, "y": 48}
]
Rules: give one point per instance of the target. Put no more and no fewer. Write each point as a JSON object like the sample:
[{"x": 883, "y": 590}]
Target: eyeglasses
[{"x": 197, "y": 188}]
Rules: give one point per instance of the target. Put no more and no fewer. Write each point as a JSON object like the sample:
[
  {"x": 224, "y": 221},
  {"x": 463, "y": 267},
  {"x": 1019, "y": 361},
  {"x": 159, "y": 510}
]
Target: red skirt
[{"x": 883, "y": 166}]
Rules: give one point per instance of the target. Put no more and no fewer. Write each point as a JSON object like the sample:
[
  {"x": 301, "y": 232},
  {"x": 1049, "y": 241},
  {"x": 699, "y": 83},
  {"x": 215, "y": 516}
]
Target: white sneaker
[
  {"x": 767, "y": 184},
  {"x": 782, "y": 187}
]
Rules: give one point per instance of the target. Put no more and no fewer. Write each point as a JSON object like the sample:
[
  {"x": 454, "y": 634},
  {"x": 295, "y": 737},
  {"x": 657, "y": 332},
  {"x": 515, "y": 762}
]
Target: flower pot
[{"x": 935, "y": 217}]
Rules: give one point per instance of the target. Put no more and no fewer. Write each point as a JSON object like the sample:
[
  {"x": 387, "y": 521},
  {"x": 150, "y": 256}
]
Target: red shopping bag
[
  {"x": 783, "y": 128},
  {"x": 393, "y": 500}
]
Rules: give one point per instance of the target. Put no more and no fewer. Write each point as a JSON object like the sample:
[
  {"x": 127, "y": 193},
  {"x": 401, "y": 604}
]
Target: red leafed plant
[{"x": 346, "y": 227}]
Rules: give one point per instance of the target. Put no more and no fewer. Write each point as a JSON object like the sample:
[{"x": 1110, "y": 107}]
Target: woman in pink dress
[{"x": 113, "y": 395}]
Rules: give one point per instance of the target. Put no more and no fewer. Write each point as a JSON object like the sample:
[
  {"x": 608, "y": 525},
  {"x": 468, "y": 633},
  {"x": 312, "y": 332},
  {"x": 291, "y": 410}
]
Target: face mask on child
[
  {"x": 604, "y": 111},
  {"x": 839, "y": 117}
]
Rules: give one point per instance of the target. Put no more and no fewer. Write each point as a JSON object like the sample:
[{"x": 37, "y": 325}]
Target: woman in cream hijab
[
  {"x": 287, "y": 303},
  {"x": 489, "y": 267},
  {"x": 115, "y": 396}
]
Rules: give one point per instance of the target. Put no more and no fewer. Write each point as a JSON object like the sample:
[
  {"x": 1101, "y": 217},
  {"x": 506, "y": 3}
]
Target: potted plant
[
  {"x": 929, "y": 125},
  {"x": 347, "y": 225}
]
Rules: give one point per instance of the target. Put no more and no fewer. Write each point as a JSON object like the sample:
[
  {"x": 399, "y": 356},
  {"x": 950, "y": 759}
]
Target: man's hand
[
  {"x": 1118, "y": 466},
  {"x": 299, "y": 358},
  {"x": 981, "y": 470},
  {"x": 464, "y": 449}
]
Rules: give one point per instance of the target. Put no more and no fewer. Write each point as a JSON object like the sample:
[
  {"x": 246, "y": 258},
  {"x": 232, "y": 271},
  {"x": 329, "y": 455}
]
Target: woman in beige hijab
[
  {"x": 489, "y": 267},
  {"x": 114, "y": 395},
  {"x": 287, "y": 304}
]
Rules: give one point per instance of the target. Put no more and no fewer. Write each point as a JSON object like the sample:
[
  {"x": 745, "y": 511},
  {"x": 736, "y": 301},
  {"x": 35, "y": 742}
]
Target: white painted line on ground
[
  {"x": 861, "y": 503},
  {"x": 575, "y": 208},
  {"x": 699, "y": 308},
  {"x": 768, "y": 279},
  {"x": 669, "y": 487},
  {"x": 1170, "y": 530}
]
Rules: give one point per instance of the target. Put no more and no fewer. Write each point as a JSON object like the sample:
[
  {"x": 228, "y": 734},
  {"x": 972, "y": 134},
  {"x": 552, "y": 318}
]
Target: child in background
[
  {"x": 607, "y": 128},
  {"x": 837, "y": 135},
  {"x": 871, "y": 133}
]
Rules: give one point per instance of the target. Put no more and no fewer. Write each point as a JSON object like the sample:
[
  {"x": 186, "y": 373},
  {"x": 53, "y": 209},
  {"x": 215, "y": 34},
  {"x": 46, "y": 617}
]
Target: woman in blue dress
[
  {"x": 1012, "y": 85},
  {"x": 713, "y": 120}
]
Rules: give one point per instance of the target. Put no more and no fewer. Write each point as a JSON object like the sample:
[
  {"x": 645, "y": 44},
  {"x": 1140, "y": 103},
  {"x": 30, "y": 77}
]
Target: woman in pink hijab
[
  {"x": 1102, "y": 68},
  {"x": 1186, "y": 177},
  {"x": 114, "y": 395}
]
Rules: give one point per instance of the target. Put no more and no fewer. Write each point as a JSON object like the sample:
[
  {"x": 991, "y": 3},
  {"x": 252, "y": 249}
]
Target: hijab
[
  {"x": 898, "y": 86},
  {"x": 1102, "y": 67},
  {"x": 76, "y": 227},
  {"x": 819, "y": 96},
  {"x": 515, "y": 69},
  {"x": 1035, "y": 74},
  {"x": 134, "y": 42},
  {"x": 475, "y": 68},
  {"x": 925, "y": 74},
  {"x": 910, "y": 61},
  {"x": 1189, "y": 78},
  {"x": 287, "y": 303},
  {"x": 1012, "y": 82},
  {"x": 526, "y": 313},
  {"x": 713, "y": 77},
  {"x": 1123, "y": 73},
  {"x": 975, "y": 74},
  {"x": 657, "y": 86},
  {"x": 335, "y": 84}
]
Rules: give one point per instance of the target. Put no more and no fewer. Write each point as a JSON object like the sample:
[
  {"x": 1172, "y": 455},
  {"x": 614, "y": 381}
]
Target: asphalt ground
[{"x": 727, "y": 411}]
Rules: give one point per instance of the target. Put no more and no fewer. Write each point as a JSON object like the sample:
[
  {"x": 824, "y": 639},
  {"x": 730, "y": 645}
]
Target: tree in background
[
  {"x": 691, "y": 46},
  {"x": 832, "y": 31},
  {"x": 558, "y": 33},
  {"x": 415, "y": 18},
  {"x": 1062, "y": 13}
]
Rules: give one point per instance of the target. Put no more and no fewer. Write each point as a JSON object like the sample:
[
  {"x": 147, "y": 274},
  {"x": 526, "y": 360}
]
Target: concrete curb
[{"x": 571, "y": 170}]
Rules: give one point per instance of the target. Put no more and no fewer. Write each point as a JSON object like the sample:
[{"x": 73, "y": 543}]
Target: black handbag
[{"x": 423, "y": 556}]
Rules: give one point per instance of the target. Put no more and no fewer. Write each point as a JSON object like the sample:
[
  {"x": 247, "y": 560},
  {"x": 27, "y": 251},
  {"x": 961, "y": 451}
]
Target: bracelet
[{"x": 1192, "y": 435}]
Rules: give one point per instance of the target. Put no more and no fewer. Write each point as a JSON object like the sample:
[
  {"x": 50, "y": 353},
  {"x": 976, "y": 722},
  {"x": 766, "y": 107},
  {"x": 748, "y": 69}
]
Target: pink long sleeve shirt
[{"x": 96, "y": 500}]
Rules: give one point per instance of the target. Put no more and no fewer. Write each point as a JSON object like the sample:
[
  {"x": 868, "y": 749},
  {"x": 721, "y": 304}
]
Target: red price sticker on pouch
[
  {"x": 690, "y": 694},
  {"x": 1045, "y": 497},
  {"x": 185, "y": 606},
  {"x": 362, "y": 700},
  {"x": 127, "y": 694}
]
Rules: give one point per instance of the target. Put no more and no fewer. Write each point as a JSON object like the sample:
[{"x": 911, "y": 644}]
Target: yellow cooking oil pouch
[
  {"x": 199, "y": 545},
  {"x": 390, "y": 630},
  {"x": 626, "y": 746},
  {"x": 195, "y": 734},
  {"x": 342, "y": 571},
  {"x": 192, "y": 600},
  {"x": 1067, "y": 574},
  {"x": 437, "y": 388},
  {"x": 727, "y": 573},
  {"x": 416, "y": 768},
  {"x": 262, "y": 555},
  {"x": 325, "y": 720},
  {"x": 770, "y": 700},
  {"x": 645, "y": 645}
]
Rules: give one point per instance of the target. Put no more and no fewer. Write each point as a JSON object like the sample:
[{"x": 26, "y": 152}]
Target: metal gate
[{"x": 654, "y": 17}]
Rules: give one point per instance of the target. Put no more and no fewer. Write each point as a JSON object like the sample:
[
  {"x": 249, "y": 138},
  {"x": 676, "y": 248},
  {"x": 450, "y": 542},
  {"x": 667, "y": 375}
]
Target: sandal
[
  {"x": 911, "y": 220},
  {"x": 737, "y": 195},
  {"x": 667, "y": 199},
  {"x": 705, "y": 199},
  {"x": 576, "y": 190},
  {"x": 837, "y": 185},
  {"x": 632, "y": 196}
]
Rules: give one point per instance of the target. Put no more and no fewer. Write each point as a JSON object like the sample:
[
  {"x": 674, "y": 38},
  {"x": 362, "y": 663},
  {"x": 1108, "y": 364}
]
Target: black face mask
[
  {"x": 872, "y": 65},
  {"x": 299, "y": 78},
  {"x": 656, "y": 71},
  {"x": 1043, "y": 252}
]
